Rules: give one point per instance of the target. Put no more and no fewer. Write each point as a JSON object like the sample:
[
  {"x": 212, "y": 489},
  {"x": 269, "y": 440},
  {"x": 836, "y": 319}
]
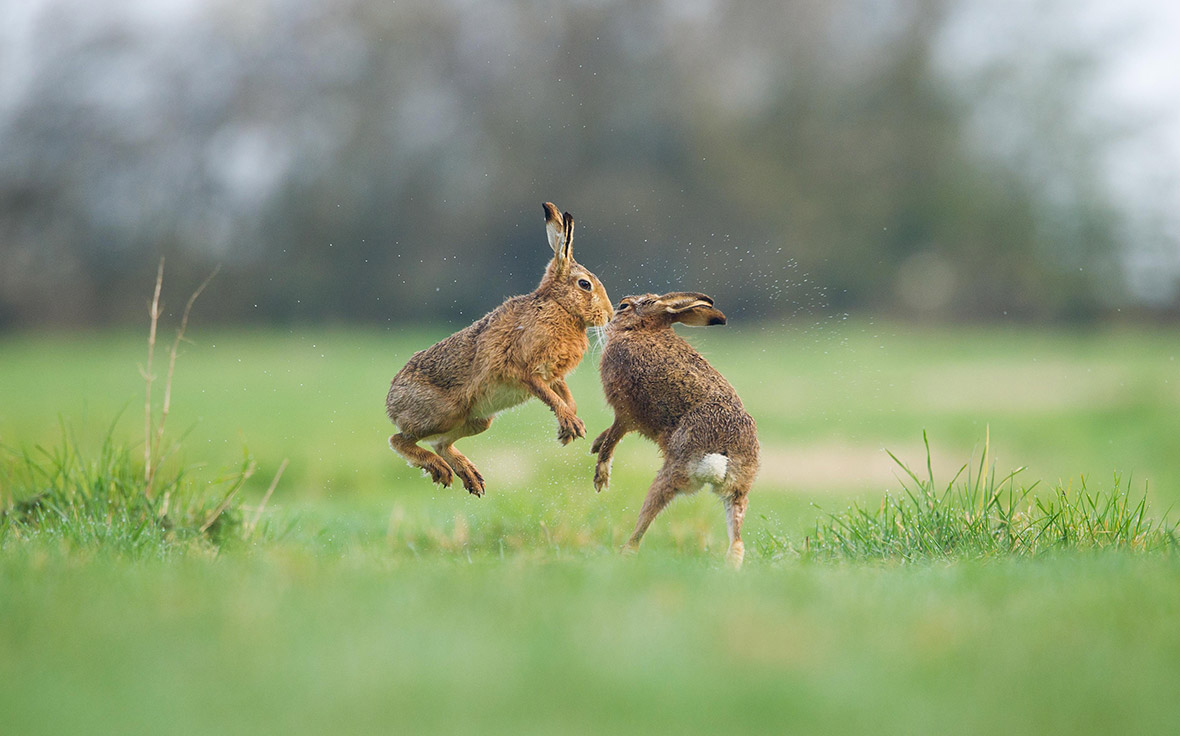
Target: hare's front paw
[
  {"x": 570, "y": 427},
  {"x": 601, "y": 475},
  {"x": 598, "y": 442}
]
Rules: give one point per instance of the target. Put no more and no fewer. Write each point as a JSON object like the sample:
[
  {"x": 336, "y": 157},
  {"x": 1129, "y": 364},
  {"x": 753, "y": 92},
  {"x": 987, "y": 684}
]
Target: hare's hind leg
[
  {"x": 735, "y": 495},
  {"x": 668, "y": 482},
  {"x": 422, "y": 412},
  {"x": 407, "y": 446},
  {"x": 472, "y": 480},
  {"x": 735, "y": 514}
]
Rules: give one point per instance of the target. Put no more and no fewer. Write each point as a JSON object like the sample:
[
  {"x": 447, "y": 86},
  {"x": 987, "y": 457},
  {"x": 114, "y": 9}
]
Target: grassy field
[{"x": 373, "y": 601}]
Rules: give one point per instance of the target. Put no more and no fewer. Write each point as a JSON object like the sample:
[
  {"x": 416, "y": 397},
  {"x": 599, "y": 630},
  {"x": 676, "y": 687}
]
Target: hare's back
[
  {"x": 447, "y": 364},
  {"x": 658, "y": 379}
]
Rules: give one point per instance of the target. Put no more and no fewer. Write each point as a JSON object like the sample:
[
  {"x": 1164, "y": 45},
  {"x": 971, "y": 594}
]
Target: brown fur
[
  {"x": 662, "y": 388},
  {"x": 525, "y": 347}
]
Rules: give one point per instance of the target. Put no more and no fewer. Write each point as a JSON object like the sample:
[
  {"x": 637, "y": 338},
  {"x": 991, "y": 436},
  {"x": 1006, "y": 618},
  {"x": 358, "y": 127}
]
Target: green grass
[
  {"x": 64, "y": 499},
  {"x": 981, "y": 516},
  {"x": 292, "y": 642},
  {"x": 370, "y": 600}
]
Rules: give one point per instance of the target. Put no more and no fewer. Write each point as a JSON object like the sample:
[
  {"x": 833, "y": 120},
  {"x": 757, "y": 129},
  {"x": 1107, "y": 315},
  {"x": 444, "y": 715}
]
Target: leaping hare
[
  {"x": 523, "y": 348},
  {"x": 661, "y": 387}
]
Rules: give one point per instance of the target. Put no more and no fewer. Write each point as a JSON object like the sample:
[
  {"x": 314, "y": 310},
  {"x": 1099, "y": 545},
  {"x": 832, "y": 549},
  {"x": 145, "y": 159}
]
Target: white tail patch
[{"x": 711, "y": 468}]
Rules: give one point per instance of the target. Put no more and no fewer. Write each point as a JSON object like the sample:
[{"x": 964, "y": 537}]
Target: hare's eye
[
  {"x": 584, "y": 284},
  {"x": 622, "y": 306}
]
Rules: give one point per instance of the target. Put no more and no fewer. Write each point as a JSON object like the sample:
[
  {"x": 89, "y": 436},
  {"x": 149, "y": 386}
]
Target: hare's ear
[
  {"x": 568, "y": 219},
  {"x": 560, "y": 229},
  {"x": 692, "y": 309}
]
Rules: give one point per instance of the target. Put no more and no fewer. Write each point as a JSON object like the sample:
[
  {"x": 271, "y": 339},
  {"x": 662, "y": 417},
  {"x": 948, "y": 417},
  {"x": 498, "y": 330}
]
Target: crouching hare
[
  {"x": 525, "y": 347},
  {"x": 661, "y": 387}
]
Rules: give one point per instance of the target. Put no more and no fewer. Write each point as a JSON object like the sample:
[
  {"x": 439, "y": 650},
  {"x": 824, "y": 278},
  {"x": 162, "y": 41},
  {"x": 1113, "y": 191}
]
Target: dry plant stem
[
  {"x": 147, "y": 375},
  {"x": 266, "y": 497},
  {"x": 188, "y": 307},
  {"x": 229, "y": 496}
]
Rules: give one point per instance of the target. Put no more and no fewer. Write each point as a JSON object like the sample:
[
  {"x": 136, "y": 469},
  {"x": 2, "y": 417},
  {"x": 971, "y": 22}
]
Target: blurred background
[{"x": 379, "y": 162}]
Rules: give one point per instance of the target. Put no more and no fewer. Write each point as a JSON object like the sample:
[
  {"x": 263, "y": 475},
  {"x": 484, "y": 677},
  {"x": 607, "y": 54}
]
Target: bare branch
[
  {"x": 147, "y": 375},
  {"x": 265, "y": 497},
  {"x": 247, "y": 471},
  {"x": 188, "y": 307}
]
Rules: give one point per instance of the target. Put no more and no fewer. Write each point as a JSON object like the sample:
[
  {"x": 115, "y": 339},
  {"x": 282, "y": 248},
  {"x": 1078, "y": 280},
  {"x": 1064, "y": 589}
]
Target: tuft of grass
[
  {"x": 63, "y": 497},
  {"x": 981, "y": 516},
  {"x": 115, "y": 502}
]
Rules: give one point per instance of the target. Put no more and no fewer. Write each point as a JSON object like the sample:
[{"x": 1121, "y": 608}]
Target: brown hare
[
  {"x": 525, "y": 347},
  {"x": 661, "y": 387}
]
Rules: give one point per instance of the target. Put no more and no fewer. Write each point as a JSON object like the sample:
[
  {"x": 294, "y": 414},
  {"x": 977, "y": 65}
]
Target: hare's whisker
[{"x": 598, "y": 338}]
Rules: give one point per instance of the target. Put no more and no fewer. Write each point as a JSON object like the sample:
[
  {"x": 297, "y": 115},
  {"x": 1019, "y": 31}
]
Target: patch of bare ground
[
  {"x": 833, "y": 466},
  {"x": 847, "y": 467}
]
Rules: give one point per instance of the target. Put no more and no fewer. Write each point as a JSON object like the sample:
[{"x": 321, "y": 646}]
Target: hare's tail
[{"x": 711, "y": 468}]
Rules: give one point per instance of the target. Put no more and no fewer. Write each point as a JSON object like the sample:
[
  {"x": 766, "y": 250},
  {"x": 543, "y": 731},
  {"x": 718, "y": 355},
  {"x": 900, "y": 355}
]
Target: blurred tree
[{"x": 374, "y": 161}]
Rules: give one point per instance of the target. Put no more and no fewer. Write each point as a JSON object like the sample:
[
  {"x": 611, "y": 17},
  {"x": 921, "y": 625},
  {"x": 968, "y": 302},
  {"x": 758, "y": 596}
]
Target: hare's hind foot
[
  {"x": 472, "y": 480},
  {"x": 737, "y": 553},
  {"x": 439, "y": 472},
  {"x": 422, "y": 458}
]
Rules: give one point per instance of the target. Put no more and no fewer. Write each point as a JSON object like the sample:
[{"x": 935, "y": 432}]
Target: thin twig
[
  {"x": 147, "y": 375},
  {"x": 171, "y": 368},
  {"x": 243, "y": 476},
  {"x": 265, "y": 497}
]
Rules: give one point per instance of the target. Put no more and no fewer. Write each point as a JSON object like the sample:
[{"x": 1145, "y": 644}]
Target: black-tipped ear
[
  {"x": 700, "y": 316},
  {"x": 691, "y": 308},
  {"x": 568, "y": 221}
]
